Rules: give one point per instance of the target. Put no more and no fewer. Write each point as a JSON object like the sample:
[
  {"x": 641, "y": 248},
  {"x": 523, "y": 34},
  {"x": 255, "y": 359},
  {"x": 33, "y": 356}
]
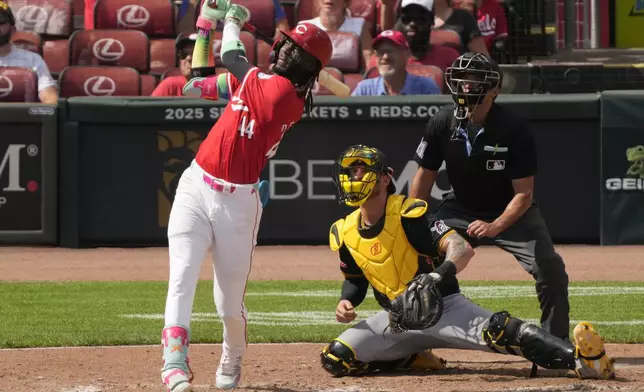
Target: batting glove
[
  {"x": 211, "y": 12},
  {"x": 238, "y": 14}
]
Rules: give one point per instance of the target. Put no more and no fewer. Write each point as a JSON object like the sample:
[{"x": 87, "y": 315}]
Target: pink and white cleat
[{"x": 176, "y": 374}]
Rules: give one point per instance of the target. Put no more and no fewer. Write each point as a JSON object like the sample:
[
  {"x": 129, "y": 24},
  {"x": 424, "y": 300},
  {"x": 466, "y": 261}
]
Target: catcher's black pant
[{"x": 529, "y": 241}]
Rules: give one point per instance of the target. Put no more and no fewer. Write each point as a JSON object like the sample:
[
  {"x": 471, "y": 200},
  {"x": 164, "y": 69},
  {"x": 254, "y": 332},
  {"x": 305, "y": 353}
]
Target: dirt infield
[{"x": 292, "y": 367}]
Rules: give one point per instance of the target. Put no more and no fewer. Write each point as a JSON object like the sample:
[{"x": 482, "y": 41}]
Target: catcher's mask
[
  {"x": 470, "y": 78},
  {"x": 357, "y": 172}
]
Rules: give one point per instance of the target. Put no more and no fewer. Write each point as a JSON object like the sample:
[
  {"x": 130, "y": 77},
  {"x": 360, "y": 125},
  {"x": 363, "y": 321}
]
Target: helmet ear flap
[{"x": 272, "y": 56}]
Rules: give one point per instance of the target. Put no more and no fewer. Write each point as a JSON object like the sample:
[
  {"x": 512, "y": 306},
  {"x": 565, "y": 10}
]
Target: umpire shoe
[
  {"x": 591, "y": 357},
  {"x": 229, "y": 372},
  {"x": 424, "y": 360}
]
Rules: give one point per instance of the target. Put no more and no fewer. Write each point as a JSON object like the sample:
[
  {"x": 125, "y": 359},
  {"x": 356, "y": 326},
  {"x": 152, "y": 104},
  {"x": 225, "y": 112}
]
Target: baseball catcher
[{"x": 411, "y": 259}]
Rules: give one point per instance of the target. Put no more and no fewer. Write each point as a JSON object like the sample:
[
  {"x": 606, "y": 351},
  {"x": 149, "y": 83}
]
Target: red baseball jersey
[
  {"x": 261, "y": 109},
  {"x": 491, "y": 21}
]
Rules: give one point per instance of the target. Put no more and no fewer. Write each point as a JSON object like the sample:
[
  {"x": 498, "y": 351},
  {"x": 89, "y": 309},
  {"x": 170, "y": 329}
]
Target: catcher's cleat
[
  {"x": 424, "y": 360},
  {"x": 592, "y": 360}
]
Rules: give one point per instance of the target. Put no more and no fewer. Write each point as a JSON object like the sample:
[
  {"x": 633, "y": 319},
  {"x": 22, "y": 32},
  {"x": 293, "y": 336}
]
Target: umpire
[{"x": 491, "y": 162}]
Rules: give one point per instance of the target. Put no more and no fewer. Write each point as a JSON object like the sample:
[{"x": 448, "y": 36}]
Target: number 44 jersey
[{"x": 262, "y": 107}]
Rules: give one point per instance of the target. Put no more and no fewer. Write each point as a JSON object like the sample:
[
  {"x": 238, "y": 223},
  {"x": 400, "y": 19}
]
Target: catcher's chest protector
[{"x": 388, "y": 261}]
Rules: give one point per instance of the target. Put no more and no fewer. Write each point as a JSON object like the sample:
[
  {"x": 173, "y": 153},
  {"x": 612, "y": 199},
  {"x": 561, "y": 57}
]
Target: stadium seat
[
  {"x": 448, "y": 38},
  {"x": 27, "y": 40},
  {"x": 18, "y": 85},
  {"x": 56, "y": 55},
  {"x": 163, "y": 55},
  {"x": 318, "y": 89},
  {"x": 148, "y": 84},
  {"x": 99, "y": 81},
  {"x": 249, "y": 43},
  {"x": 352, "y": 80},
  {"x": 125, "y": 48},
  {"x": 262, "y": 14},
  {"x": 428, "y": 71},
  {"x": 305, "y": 9},
  {"x": 347, "y": 56},
  {"x": 45, "y": 17},
  {"x": 153, "y": 17},
  {"x": 263, "y": 52}
]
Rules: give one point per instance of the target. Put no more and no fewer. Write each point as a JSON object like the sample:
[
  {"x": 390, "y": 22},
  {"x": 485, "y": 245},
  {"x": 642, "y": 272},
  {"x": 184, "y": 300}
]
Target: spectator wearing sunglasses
[
  {"x": 172, "y": 86},
  {"x": 415, "y": 22}
]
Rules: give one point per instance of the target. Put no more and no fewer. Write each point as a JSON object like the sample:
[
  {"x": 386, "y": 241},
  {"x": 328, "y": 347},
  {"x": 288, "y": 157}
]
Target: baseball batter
[
  {"x": 216, "y": 204},
  {"x": 379, "y": 244}
]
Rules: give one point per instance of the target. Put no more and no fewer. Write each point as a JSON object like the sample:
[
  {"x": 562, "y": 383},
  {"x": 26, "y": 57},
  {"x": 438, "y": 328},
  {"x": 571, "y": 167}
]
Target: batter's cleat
[
  {"x": 205, "y": 88},
  {"x": 229, "y": 372},
  {"x": 176, "y": 374},
  {"x": 590, "y": 355},
  {"x": 424, "y": 360}
]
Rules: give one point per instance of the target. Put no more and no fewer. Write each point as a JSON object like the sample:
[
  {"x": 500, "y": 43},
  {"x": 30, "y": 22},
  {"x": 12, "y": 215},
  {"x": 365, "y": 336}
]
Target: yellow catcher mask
[{"x": 357, "y": 172}]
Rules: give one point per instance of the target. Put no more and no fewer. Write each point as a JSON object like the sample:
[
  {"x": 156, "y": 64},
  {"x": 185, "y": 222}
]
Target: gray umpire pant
[
  {"x": 529, "y": 241},
  {"x": 460, "y": 327}
]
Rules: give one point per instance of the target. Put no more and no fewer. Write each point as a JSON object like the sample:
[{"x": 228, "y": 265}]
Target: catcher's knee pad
[
  {"x": 510, "y": 335},
  {"x": 339, "y": 359}
]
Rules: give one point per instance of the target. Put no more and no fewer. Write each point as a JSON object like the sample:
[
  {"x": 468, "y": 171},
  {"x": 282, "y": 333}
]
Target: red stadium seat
[
  {"x": 352, "y": 80},
  {"x": 347, "y": 56},
  {"x": 45, "y": 17},
  {"x": 124, "y": 48},
  {"x": 27, "y": 40},
  {"x": 263, "y": 52},
  {"x": 163, "y": 55},
  {"x": 171, "y": 72},
  {"x": 18, "y": 85},
  {"x": 305, "y": 9},
  {"x": 148, "y": 84},
  {"x": 153, "y": 17},
  {"x": 56, "y": 55},
  {"x": 247, "y": 39},
  {"x": 429, "y": 71},
  {"x": 448, "y": 38},
  {"x": 318, "y": 89},
  {"x": 99, "y": 81}
]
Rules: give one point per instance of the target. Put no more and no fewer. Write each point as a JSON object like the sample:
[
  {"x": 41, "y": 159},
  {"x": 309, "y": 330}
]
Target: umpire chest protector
[{"x": 387, "y": 260}]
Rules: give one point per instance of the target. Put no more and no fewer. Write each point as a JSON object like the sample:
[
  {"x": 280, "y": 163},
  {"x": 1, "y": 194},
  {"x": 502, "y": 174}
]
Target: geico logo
[
  {"x": 108, "y": 49},
  {"x": 132, "y": 16},
  {"x": 31, "y": 15},
  {"x": 6, "y": 86},
  {"x": 98, "y": 86},
  {"x": 625, "y": 184}
]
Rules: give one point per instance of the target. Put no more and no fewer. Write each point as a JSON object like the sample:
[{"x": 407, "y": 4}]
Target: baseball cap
[
  {"x": 6, "y": 16},
  {"x": 183, "y": 39},
  {"x": 394, "y": 36},
  {"x": 426, "y": 4}
]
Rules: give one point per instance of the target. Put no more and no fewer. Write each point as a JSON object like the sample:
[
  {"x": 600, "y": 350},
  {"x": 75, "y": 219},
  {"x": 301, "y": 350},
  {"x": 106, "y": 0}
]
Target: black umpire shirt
[{"x": 480, "y": 170}]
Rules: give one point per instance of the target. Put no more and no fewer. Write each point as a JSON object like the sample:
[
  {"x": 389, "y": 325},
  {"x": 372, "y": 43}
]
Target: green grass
[{"x": 95, "y": 313}]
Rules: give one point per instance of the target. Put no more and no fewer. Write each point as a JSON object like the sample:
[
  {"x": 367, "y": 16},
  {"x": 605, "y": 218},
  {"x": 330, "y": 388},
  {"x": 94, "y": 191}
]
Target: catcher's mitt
[{"x": 418, "y": 307}]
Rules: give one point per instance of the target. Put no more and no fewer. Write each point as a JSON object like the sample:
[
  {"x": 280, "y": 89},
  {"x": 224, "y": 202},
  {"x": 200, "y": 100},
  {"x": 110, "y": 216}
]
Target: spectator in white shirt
[{"x": 12, "y": 56}]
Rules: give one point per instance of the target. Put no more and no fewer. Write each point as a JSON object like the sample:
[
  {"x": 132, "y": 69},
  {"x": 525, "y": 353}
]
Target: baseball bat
[{"x": 332, "y": 84}]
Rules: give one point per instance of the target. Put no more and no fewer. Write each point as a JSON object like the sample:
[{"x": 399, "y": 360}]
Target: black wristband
[
  {"x": 202, "y": 72},
  {"x": 446, "y": 269}
]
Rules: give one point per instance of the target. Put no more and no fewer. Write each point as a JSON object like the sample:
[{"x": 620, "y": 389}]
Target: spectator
[
  {"x": 392, "y": 52},
  {"x": 459, "y": 21},
  {"x": 281, "y": 20},
  {"x": 172, "y": 86},
  {"x": 12, "y": 56},
  {"x": 416, "y": 22},
  {"x": 334, "y": 16},
  {"x": 492, "y": 22}
]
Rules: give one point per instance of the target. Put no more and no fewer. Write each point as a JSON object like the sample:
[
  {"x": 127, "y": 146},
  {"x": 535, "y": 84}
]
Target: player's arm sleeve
[
  {"x": 222, "y": 86},
  {"x": 233, "y": 52},
  {"x": 427, "y": 233},
  {"x": 355, "y": 285},
  {"x": 429, "y": 154},
  {"x": 522, "y": 152}
]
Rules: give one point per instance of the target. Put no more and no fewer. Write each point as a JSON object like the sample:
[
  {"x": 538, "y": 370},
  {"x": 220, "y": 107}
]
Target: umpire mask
[
  {"x": 357, "y": 172},
  {"x": 470, "y": 79}
]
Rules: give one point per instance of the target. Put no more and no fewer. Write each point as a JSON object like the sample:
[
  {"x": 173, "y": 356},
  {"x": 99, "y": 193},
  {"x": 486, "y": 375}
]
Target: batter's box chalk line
[
  {"x": 89, "y": 388},
  {"x": 572, "y": 388}
]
